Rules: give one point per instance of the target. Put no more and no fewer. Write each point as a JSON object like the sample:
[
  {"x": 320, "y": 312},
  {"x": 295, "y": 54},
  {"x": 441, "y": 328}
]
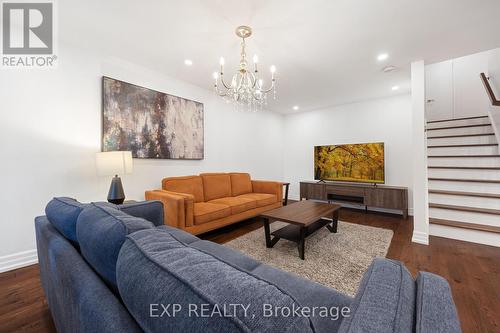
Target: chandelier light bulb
[
  {"x": 215, "y": 75},
  {"x": 273, "y": 69},
  {"x": 222, "y": 61},
  {"x": 255, "y": 58},
  {"x": 261, "y": 83}
]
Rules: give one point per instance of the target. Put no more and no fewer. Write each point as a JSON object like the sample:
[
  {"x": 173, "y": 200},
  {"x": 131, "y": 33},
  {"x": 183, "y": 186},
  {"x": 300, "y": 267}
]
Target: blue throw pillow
[
  {"x": 101, "y": 231},
  {"x": 63, "y": 213}
]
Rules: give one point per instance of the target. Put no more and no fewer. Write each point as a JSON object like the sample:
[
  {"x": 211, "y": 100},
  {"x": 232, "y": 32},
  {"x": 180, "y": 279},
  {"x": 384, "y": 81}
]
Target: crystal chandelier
[{"x": 246, "y": 88}]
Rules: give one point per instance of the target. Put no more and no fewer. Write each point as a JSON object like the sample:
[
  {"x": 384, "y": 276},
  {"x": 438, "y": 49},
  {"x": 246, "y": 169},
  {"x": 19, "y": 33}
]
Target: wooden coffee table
[{"x": 304, "y": 218}]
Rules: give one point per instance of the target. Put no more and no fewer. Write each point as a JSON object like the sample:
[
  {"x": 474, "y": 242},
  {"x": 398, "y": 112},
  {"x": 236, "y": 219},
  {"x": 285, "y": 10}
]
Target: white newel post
[{"x": 420, "y": 186}]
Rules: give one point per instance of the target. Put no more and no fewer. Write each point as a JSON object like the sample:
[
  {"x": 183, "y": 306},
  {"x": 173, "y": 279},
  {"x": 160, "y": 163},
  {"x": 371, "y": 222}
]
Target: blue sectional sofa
[{"x": 107, "y": 268}]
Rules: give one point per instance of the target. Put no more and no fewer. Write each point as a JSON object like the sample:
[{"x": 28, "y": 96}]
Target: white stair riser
[
  {"x": 459, "y": 200},
  {"x": 464, "y": 174},
  {"x": 481, "y": 150},
  {"x": 475, "y": 236},
  {"x": 456, "y": 215},
  {"x": 463, "y": 122},
  {"x": 465, "y": 161},
  {"x": 461, "y": 131},
  {"x": 470, "y": 140},
  {"x": 464, "y": 187}
]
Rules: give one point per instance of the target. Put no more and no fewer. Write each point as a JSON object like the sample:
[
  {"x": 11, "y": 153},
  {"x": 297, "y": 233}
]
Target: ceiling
[{"x": 325, "y": 50}]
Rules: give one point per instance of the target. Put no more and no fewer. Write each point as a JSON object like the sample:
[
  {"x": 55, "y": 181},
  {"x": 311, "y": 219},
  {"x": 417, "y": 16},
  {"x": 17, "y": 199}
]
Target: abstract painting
[{"x": 149, "y": 123}]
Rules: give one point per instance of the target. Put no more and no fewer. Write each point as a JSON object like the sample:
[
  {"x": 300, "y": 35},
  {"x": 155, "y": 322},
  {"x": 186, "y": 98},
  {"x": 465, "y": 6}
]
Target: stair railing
[
  {"x": 489, "y": 90},
  {"x": 493, "y": 112}
]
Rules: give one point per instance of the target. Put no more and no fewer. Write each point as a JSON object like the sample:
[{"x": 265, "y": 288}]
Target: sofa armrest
[
  {"x": 177, "y": 207},
  {"x": 269, "y": 187},
  {"x": 436, "y": 311},
  {"x": 151, "y": 210}
]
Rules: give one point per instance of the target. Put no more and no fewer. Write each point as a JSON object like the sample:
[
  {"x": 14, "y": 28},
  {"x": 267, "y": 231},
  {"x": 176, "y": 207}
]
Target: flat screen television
[{"x": 360, "y": 162}]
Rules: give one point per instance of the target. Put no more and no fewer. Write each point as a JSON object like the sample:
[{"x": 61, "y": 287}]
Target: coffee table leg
[
  {"x": 335, "y": 222},
  {"x": 302, "y": 241},
  {"x": 267, "y": 231}
]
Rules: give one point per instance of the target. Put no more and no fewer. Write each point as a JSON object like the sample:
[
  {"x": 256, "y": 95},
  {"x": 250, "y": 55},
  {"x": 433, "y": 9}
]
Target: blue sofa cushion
[
  {"x": 436, "y": 310},
  {"x": 385, "y": 301},
  {"x": 154, "y": 269},
  {"x": 101, "y": 231},
  {"x": 62, "y": 213}
]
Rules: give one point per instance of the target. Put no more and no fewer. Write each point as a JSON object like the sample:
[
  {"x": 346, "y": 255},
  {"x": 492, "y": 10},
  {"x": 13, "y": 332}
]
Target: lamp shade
[{"x": 112, "y": 163}]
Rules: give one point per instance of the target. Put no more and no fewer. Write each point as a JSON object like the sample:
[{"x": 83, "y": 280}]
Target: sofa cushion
[
  {"x": 189, "y": 184},
  {"x": 205, "y": 212},
  {"x": 436, "y": 311},
  {"x": 262, "y": 199},
  {"x": 62, "y": 214},
  {"x": 155, "y": 268},
  {"x": 226, "y": 254},
  {"x": 237, "y": 204},
  {"x": 216, "y": 185},
  {"x": 240, "y": 183},
  {"x": 180, "y": 235},
  {"x": 385, "y": 301},
  {"x": 101, "y": 231}
]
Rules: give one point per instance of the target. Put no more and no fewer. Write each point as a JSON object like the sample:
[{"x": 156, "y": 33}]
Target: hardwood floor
[{"x": 472, "y": 270}]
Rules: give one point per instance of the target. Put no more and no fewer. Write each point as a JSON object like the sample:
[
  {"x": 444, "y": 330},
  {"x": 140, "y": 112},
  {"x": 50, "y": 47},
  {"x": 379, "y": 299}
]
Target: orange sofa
[{"x": 198, "y": 204}]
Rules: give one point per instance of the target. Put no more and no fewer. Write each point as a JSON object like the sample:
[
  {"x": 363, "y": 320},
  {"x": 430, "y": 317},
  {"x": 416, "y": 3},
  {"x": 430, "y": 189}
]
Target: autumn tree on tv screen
[{"x": 351, "y": 162}]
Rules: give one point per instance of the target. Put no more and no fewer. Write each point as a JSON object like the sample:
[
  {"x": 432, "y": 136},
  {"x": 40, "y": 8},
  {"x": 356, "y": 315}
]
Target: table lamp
[{"x": 114, "y": 163}]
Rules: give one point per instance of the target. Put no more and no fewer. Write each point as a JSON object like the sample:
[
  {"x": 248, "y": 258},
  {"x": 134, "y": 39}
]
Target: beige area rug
[{"x": 334, "y": 260}]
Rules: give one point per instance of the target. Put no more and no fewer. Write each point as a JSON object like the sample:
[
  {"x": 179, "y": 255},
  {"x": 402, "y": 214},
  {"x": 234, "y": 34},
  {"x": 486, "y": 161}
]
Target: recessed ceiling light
[
  {"x": 395, "y": 88},
  {"x": 382, "y": 57},
  {"x": 388, "y": 69},
  {"x": 188, "y": 62},
  {"x": 295, "y": 107}
]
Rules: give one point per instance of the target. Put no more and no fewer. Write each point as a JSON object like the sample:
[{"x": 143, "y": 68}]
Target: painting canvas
[
  {"x": 149, "y": 123},
  {"x": 362, "y": 162}
]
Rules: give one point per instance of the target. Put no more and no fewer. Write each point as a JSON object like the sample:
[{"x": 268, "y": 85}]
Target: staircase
[{"x": 464, "y": 180}]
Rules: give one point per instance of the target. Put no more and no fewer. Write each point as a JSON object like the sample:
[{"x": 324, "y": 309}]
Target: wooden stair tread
[
  {"x": 465, "y": 225},
  {"x": 463, "y": 167},
  {"x": 466, "y": 118},
  {"x": 459, "y": 135},
  {"x": 465, "y": 145},
  {"x": 467, "y": 194},
  {"x": 466, "y": 208},
  {"x": 459, "y": 126},
  {"x": 460, "y": 156},
  {"x": 491, "y": 181}
]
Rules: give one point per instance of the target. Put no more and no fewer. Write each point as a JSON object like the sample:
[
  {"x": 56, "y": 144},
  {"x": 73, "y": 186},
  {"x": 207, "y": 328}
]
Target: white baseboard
[
  {"x": 420, "y": 237},
  {"x": 18, "y": 260}
]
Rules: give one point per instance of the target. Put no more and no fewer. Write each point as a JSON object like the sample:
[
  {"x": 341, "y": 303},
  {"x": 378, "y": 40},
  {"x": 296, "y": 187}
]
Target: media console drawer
[{"x": 345, "y": 190}]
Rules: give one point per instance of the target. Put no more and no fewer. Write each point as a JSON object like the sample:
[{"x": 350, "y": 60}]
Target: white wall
[
  {"x": 454, "y": 88},
  {"x": 419, "y": 155},
  {"x": 384, "y": 120},
  {"x": 494, "y": 75},
  {"x": 50, "y": 129}
]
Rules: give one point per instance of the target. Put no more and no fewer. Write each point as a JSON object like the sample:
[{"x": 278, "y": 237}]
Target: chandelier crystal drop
[{"x": 246, "y": 88}]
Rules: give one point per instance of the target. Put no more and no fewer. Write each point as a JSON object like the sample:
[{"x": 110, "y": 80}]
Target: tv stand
[{"x": 367, "y": 195}]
